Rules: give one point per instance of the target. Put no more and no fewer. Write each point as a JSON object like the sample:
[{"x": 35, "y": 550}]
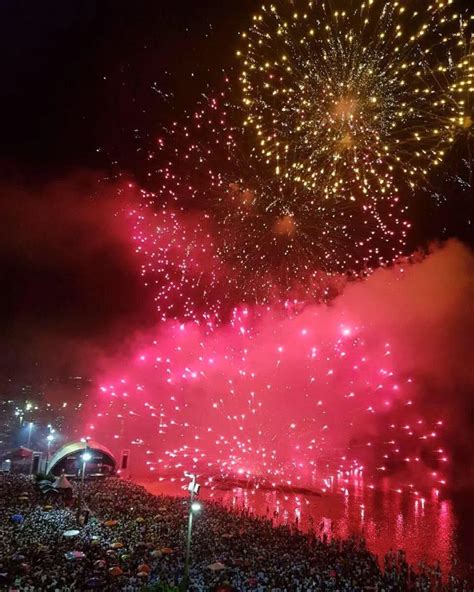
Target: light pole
[
  {"x": 85, "y": 457},
  {"x": 193, "y": 489},
  {"x": 30, "y": 428},
  {"x": 49, "y": 439}
]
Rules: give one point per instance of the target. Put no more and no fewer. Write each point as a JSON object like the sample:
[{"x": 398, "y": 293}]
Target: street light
[
  {"x": 194, "y": 507},
  {"x": 30, "y": 427},
  {"x": 49, "y": 439},
  {"x": 86, "y": 456}
]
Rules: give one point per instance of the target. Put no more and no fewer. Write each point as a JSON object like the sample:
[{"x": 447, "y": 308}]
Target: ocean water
[{"x": 428, "y": 530}]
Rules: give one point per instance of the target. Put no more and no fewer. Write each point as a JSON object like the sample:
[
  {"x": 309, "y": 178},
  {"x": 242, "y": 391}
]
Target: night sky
[{"x": 81, "y": 87}]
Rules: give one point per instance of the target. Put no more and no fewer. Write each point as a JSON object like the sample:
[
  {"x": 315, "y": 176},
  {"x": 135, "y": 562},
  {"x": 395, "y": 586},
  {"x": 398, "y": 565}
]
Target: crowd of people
[{"x": 129, "y": 540}]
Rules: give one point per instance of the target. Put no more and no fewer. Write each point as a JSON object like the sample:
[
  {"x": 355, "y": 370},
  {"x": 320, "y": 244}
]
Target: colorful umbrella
[
  {"x": 70, "y": 533},
  {"x": 70, "y": 555},
  {"x": 116, "y": 545},
  {"x": 17, "y": 518}
]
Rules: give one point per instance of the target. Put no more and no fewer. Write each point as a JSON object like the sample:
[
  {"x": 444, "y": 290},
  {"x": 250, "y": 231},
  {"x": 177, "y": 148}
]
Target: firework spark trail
[
  {"x": 353, "y": 109},
  {"x": 458, "y": 125},
  {"x": 246, "y": 219},
  {"x": 343, "y": 96},
  {"x": 229, "y": 403}
]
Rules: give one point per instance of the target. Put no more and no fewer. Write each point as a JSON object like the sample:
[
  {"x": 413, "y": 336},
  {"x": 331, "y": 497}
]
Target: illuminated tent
[{"x": 62, "y": 483}]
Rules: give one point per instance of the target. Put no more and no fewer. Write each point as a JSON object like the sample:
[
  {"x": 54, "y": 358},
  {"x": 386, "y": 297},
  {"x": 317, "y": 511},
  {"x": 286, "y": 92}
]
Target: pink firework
[
  {"x": 244, "y": 234},
  {"x": 271, "y": 399}
]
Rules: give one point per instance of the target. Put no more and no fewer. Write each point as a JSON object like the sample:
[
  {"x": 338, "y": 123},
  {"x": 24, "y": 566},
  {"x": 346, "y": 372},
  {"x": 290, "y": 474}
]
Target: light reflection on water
[{"x": 426, "y": 530}]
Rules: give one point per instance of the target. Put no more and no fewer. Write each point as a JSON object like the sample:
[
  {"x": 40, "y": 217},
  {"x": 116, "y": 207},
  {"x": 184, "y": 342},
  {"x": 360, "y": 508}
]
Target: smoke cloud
[
  {"x": 382, "y": 377},
  {"x": 70, "y": 287}
]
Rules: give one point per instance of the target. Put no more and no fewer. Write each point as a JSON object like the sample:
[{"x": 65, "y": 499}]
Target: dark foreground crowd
[{"x": 135, "y": 541}]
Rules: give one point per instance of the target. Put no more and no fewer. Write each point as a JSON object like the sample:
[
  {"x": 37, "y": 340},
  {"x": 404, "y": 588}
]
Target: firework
[
  {"x": 261, "y": 237},
  {"x": 343, "y": 97},
  {"x": 178, "y": 261},
  {"x": 456, "y": 127},
  {"x": 351, "y": 104},
  {"x": 229, "y": 405}
]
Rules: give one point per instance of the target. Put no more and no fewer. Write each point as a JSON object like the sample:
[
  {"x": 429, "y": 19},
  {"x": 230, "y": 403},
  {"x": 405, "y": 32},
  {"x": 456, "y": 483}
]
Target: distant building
[{"x": 16, "y": 460}]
